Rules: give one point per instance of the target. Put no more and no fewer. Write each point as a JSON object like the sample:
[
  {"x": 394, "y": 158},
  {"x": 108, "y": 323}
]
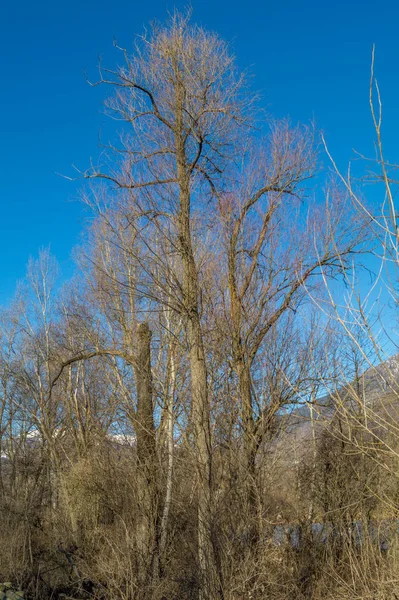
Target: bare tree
[
  {"x": 181, "y": 96},
  {"x": 273, "y": 252}
]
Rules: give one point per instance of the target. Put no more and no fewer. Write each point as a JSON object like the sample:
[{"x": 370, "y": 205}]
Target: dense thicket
[{"x": 197, "y": 414}]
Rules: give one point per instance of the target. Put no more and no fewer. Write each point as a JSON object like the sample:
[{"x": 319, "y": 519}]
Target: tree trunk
[
  {"x": 147, "y": 467},
  {"x": 250, "y": 448},
  {"x": 171, "y": 389},
  {"x": 200, "y": 410}
]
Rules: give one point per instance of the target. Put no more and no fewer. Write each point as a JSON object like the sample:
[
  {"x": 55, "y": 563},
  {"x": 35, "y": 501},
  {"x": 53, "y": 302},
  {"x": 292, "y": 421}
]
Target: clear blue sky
[{"x": 311, "y": 59}]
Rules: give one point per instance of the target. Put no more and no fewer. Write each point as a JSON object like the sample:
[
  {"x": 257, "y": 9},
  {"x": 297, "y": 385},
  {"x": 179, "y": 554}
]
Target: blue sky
[{"x": 310, "y": 58}]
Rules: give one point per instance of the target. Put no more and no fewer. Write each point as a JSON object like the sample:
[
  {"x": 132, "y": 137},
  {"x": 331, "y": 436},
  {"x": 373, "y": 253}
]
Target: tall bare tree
[{"x": 181, "y": 96}]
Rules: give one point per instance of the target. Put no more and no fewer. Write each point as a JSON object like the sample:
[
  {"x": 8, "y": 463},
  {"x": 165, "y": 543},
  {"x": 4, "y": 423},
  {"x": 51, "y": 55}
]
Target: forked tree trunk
[{"x": 209, "y": 584}]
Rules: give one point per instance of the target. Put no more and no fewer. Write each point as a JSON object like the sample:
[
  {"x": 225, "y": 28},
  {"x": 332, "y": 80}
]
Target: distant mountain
[{"x": 377, "y": 387}]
